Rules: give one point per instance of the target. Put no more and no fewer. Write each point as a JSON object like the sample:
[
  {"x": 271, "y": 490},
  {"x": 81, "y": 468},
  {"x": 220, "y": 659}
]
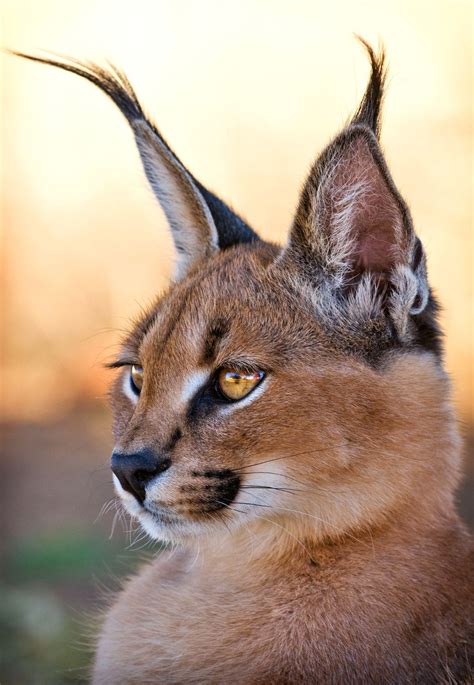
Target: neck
[{"x": 282, "y": 541}]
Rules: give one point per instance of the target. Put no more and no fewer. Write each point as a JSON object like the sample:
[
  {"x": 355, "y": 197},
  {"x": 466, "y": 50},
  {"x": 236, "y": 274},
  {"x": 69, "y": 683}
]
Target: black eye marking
[
  {"x": 209, "y": 398},
  {"x": 202, "y": 404}
]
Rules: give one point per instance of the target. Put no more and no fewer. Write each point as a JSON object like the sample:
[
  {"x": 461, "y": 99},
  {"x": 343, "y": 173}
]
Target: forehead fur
[
  {"x": 237, "y": 297},
  {"x": 246, "y": 297}
]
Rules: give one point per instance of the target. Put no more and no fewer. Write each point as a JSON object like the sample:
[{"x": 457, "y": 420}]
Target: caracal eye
[
  {"x": 235, "y": 385},
  {"x": 136, "y": 378}
]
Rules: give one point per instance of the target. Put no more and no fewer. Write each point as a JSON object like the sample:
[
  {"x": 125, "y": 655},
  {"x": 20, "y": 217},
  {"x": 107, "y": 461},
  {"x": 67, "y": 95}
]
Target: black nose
[{"x": 134, "y": 471}]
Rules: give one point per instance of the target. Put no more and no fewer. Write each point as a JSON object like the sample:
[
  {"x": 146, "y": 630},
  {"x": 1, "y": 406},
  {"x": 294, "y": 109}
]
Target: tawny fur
[
  {"x": 340, "y": 557},
  {"x": 358, "y": 571}
]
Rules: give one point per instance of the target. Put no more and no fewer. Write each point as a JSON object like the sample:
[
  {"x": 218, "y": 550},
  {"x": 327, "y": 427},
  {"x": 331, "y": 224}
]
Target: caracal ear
[
  {"x": 352, "y": 229},
  {"x": 200, "y": 222}
]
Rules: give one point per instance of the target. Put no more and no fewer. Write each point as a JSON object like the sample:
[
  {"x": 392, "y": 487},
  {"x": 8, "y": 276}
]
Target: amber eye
[
  {"x": 136, "y": 378},
  {"x": 235, "y": 385}
]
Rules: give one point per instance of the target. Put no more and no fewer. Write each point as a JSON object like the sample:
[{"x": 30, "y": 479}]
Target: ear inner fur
[{"x": 352, "y": 240}]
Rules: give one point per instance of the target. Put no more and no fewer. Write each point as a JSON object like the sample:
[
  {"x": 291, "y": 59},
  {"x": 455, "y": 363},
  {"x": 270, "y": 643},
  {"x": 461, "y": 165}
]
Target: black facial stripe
[
  {"x": 216, "y": 331},
  {"x": 220, "y": 474},
  {"x": 218, "y": 491},
  {"x": 227, "y": 491},
  {"x": 173, "y": 322},
  {"x": 177, "y": 435},
  {"x": 145, "y": 325}
]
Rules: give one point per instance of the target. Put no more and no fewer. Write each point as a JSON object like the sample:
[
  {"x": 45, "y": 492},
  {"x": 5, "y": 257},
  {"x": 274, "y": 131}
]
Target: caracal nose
[{"x": 135, "y": 470}]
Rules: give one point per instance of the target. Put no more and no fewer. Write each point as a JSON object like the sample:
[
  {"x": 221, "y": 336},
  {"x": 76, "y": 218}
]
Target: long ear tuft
[
  {"x": 200, "y": 222},
  {"x": 370, "y": 109}
]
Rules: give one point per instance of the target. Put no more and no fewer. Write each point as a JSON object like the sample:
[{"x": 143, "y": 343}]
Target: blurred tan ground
[{"x": 247, "y": 93}]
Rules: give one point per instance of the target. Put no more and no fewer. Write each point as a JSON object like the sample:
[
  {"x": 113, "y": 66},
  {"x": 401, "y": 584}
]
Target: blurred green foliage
[
  {"x": 41, "y": 643},
  {"x": 52, "y": 591},
  {"x": 67, "y": 552}
]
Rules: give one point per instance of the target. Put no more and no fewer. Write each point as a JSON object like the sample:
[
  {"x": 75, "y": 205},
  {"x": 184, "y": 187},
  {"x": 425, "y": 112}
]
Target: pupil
[{"x": 136, "y": 379}]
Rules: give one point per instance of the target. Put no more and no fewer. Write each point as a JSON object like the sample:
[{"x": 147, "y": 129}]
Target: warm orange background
[{"x": 247, "y": 93}]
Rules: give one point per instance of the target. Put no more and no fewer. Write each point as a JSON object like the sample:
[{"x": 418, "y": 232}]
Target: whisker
[
  {"x": 288, "y": 532},
  {"x": 228, "y": 506},
  {"x": 215, "y": 518},
  {"x": 288, "y": 456},
  {"x": 313, "y": 491},
  {"x": 281, "y": 475},
  {"x": 139, "y": 538},
  {"x": 106, "y": 507},
  {"x": 271, "y": 487},
  {"x": 304, "y": 513},
  {"x": 114, "y": 522}
]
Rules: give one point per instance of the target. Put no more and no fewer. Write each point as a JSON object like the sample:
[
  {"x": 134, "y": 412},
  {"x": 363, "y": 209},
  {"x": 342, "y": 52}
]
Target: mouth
[
  {"x": 161, "y": 524},
  {"x": 161, "y": 515},
  {"x": 212, "y": 491},
  {"x": 149, "y": 510}
]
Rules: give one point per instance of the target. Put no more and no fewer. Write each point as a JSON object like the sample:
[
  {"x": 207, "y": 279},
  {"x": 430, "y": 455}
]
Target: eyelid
[
  {"x": 243, "y": 365},
  {"x": 120, "y": 363}
]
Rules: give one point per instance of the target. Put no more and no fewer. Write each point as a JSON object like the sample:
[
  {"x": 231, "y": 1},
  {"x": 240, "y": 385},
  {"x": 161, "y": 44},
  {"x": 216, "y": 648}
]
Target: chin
[
  {"x": 173, "y": 530},
  {"x": 156, "y": 528},
  {"x": 161, "y": 524}
]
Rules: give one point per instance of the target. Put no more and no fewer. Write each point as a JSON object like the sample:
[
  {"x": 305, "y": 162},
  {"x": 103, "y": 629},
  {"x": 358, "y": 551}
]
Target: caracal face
[
  {"x": 302, "y": 449},
  {"x": 285, "y": 385}
]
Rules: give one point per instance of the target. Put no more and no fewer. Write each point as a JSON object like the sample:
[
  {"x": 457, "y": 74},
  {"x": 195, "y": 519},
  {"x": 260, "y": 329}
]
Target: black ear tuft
[
  {"x": 200, "y": 222},
  {"x": 113, "y": 82},
  {"x": 370, "y": 108}
]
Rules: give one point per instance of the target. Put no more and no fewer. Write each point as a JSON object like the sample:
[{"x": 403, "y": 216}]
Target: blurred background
[{"x": 247, "y": 93}]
